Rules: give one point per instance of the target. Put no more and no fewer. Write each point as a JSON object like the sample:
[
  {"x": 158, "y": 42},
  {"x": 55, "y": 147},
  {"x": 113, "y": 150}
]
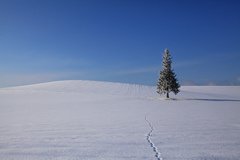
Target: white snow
[{"x": 104, "y": 120}]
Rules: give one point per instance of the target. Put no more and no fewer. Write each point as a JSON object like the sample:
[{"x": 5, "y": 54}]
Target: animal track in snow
[{"x": 157, "y": 153}]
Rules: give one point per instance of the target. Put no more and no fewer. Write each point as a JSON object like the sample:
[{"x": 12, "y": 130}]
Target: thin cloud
[
  {"x": 139, "y": 70},
  {"x": 219, "y": 83},
  {"x": 156, "y": 68},
  {"x": 25, "y": 79},
  {"x": 185, "y": 63},
  {"x": 187, "y": 83},
  {"x": 238, "y": 79}
]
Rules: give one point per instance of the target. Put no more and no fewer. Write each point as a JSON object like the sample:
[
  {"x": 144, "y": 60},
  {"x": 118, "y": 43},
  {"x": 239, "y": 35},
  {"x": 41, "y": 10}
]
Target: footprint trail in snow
[{"x": 157, "y": 153}]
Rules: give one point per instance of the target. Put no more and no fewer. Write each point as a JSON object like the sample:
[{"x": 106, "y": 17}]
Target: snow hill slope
[{"x": 104, "y": 120}]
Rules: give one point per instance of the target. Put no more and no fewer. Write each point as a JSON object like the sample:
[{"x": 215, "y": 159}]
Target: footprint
[{"x": 157, "y": 153}]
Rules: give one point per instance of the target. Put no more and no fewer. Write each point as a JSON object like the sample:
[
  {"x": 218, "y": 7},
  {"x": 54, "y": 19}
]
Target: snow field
[{"x": 104, "y": 120}]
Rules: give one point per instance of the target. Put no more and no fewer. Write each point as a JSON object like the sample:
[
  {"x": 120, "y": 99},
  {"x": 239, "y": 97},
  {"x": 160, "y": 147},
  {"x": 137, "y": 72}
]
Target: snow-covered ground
[{"x": 103, "y": 120}]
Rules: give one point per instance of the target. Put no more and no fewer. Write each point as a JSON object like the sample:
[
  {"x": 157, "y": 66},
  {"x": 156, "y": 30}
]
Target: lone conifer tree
[{"x": 167, "y": 82}]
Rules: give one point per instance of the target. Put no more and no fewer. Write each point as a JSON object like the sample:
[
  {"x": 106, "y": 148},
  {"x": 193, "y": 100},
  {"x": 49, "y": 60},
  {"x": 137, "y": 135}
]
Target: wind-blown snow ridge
[
  {"x": 90, "y": 87},
  {"x": 157, "y": 153},
  {"x": 228, "y": 93}
]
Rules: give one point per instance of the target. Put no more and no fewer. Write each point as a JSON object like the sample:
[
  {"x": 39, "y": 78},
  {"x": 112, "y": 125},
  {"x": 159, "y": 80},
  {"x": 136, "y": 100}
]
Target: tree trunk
[{"x": 167, "y": 95}]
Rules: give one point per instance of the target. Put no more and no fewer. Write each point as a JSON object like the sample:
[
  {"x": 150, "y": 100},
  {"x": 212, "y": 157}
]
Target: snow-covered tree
[{"x": 167, "y": 82}]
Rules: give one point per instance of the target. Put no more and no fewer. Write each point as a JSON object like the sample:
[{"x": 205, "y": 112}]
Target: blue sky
[{"x": 119, "y": 41}]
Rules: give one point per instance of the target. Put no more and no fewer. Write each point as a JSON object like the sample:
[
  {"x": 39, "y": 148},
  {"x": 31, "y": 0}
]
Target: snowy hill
[{"x": 105, "y": 120}]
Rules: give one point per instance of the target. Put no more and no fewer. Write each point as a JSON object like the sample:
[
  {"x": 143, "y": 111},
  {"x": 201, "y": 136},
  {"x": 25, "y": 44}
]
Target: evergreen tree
[{"x": 167, "y": 82}]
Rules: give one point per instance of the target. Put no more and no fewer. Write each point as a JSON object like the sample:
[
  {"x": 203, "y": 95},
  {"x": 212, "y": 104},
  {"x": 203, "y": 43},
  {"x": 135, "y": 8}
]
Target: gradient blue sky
[{"x": 119, "y": 40}]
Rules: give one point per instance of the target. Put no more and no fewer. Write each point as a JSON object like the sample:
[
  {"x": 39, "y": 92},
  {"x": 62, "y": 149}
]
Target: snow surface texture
[{"x": 103, "y": 120}]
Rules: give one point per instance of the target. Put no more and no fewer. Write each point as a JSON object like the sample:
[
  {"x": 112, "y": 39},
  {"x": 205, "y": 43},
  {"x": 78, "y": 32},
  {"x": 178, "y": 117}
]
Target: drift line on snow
[{"x": 157, "y": 153}]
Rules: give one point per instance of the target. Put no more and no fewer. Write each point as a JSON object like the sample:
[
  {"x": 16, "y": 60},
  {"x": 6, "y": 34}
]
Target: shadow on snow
[
  {"x": 199, "y": 99},
  {"x": 195, "y": 99}
]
